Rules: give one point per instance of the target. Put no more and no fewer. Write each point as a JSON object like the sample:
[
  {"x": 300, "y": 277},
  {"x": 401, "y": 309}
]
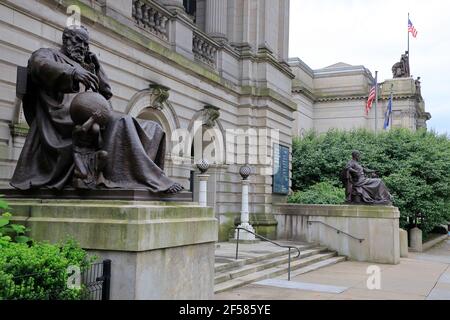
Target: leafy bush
[
  {"x": 414, "y": 165},
  {"x": 40, "y": 271},
  {"x": 320, "y": 193},
  {"x": 36, "y": 271},
  {"x": 10, "y": 231}
]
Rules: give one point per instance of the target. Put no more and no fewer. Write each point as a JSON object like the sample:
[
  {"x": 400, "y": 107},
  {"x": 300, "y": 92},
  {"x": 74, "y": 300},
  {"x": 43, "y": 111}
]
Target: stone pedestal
[
  {"x": 415, "y": 240},
  {"x": 362, "y": 233},
  {"x": 403, "y": 243},
  {"x": 159, "y": 250},
  {"x": 245, "y": 221},
  {"x": 203, "y": 190}
]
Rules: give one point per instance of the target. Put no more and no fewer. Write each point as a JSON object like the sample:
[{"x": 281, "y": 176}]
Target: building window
[{"x": 191, "y": 7}]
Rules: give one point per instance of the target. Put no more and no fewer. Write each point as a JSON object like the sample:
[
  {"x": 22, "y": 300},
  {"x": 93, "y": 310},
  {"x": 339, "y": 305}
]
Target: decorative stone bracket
[
  {"x": 210, "y": 115},
  {"x": 158, "y": 96}
]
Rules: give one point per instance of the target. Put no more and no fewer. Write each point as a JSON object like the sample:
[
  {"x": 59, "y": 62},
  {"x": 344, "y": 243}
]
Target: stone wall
[{"x": 366, "y": 233}]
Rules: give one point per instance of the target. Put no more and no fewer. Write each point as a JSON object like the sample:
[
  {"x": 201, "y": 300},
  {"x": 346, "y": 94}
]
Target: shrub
[
  {"x": 39, "y": 271},
  {"x": 36, "y": 271},
  {"x": 414, "y": 165},
  {"x": 10, "y": 231},
  {"x": 320, "y": 193}
]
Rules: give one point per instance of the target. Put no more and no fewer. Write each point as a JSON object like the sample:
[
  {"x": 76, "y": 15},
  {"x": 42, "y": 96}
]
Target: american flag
[
  {"x": 372, "y": 95},
  {"x": 412, "y": 29}
]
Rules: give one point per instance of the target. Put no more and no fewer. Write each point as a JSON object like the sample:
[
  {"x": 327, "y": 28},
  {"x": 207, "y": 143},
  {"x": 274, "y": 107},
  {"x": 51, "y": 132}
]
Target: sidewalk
[{"x": 418, "y": 277}]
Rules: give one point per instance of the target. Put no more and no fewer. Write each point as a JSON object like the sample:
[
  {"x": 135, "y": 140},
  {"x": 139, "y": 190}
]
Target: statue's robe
[
  {"x": 371, "y": 191},
  {"x": 135, "y": 148}
]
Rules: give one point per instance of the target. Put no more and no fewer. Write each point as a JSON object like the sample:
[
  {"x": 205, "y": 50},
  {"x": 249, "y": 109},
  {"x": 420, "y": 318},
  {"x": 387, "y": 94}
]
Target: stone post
[
  {"x": 203, "y": 183},
  {"x": 216, "y": 19},
  {"x": 415, "y": 239},
  {"x": 245, "y": 221},
  {"x": 403, "y": 243},
  {"x": 203, "y": 166}
]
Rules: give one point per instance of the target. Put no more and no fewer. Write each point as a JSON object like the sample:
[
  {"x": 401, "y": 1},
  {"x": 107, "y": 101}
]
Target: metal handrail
[
  {"x": 273, "y": 242},
  {"x": 337, "y": 230}
]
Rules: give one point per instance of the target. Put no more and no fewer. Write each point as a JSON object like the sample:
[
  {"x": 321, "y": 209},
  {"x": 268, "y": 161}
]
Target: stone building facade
[
  {"x": 214, "y": 68},
  {"x": 336, "y": 96}
]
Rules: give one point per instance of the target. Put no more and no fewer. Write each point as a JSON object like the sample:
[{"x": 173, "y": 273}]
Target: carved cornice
[{"x": 341, "y": 98}]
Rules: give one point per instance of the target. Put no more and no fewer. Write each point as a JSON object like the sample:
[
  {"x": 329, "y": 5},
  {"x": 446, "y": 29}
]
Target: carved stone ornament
[
  {"x": 158, "y": 96},
  {"x": 210, "y": 115}
]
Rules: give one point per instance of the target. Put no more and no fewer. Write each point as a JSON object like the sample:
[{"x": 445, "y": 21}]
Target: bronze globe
[{"x": 90, "y": 104}]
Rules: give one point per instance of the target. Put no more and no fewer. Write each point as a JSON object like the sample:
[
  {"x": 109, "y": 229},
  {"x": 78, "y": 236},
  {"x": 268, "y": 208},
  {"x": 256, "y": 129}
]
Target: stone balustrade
[
  {"x": 148, "y": 16},
  {"x": 204, "y": 49}
]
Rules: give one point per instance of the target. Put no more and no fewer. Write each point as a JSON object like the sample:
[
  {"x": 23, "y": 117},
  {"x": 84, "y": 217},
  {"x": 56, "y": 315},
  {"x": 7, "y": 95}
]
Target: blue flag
[{"x": 387, "y": 115}]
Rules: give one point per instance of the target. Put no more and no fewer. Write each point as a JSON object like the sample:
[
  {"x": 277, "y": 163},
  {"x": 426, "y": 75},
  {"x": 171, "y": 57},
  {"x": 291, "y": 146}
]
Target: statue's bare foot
[{"x": 175, "y": 188}]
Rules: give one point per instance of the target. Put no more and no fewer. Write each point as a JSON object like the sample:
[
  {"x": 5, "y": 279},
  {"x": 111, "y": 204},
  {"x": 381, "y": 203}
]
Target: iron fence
[{"x": 97, "y": 280}]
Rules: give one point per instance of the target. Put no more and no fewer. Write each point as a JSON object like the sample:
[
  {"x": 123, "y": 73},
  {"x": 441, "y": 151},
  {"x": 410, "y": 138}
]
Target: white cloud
[{"x": 374, "y": 33}]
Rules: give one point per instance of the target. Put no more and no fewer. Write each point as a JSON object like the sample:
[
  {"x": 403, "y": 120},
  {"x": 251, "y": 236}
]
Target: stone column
[
  {"x": 245, "y": 221},
  {"x": 203, "y": 188},
  {"x": 203, "y": 166},
  {"x": 216, "y": 19}
]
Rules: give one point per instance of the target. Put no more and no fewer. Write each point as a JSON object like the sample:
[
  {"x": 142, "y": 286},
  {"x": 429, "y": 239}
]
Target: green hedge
[
  {"x": 414, "y": 165},
  {"x": 37, "y": 271},
  {"x": 320, "y": 193}
]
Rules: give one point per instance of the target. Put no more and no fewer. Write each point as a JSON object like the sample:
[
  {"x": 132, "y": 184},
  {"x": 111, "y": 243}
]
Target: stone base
[
  {"x": 96, "y": 194},
  {"x": 376, "y": 226},
  {"x": 159, "y": 250},
  {"x": 263, "y": 223}
]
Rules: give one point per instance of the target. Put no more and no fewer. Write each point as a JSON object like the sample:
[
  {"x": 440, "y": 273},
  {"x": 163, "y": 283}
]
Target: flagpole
[
  {"x": 376, "y": 101},
  {"x": 392, "y": 108},
  {"x": 408, "y": 37}
]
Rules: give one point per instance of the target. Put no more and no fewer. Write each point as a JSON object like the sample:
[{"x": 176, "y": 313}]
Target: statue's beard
[{"x": 76, "y": 53}]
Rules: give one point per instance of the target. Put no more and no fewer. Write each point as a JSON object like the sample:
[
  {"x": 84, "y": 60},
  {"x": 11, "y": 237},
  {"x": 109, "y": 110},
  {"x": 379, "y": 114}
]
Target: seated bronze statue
[
  {"x": 360, "y": 189},
  {"x": 75, "y": 137}
]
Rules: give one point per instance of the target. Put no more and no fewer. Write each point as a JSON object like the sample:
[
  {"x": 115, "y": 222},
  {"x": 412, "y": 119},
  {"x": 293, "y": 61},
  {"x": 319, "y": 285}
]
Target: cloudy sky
[{"x": 373, "y": 33}]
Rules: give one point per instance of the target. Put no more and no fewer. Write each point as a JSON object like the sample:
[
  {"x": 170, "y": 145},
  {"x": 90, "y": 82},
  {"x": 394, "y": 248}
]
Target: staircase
[{"x": 260, "y": 261}]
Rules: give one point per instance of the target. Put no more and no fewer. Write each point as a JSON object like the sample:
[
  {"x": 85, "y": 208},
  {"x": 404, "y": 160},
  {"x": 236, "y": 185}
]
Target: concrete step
[
  {"x": 318, "y": 265},
  {"x": 242, "y": 270},
  {"x": 245, "y": 261},
  {"x": 298, "y": 266}
]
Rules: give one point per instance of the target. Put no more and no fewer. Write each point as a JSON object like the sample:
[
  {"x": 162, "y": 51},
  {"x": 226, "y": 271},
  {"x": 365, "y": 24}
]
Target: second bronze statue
[{"x": 359, "y": 188}]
